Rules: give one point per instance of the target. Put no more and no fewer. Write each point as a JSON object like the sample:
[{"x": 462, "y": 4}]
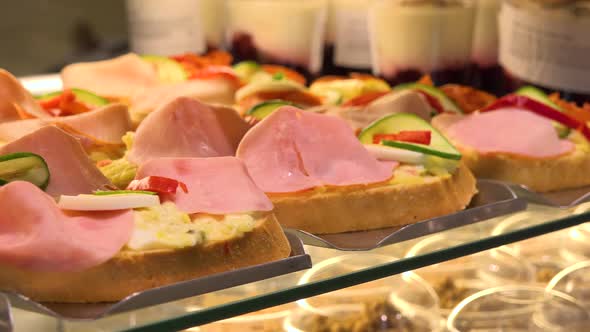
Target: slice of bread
[
  {"x": 541, "y": 175},
  {"x": 338, "y": 210},
  {"x": 134, "y": 271}
]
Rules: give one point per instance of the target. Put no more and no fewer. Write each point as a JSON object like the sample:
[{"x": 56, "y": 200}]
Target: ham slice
[
  {"x": 71, "y": 171},
  {"x": 359, "y": 117},
  {"x": 122, "y": 76},
  {"x": 14, "y": 98},
  {"x": 294, "y": 150},
  {"x": 107, "y": 124},
  {"x": 511, "y": 131},
  {"x": 187, "y": 128},
  {"x": 36, "y": 235},
  {"x": 213, "y": 91},
  {"x": 215, "y": 185}
]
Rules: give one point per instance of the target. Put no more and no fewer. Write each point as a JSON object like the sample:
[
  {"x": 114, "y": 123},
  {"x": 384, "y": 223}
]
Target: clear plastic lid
[
  {"x": 576, "y": 248},
  {"x": 518, "y": 308},
  {"x": 400, "y": 299},
  {"x": 456, "y": 279},
  {"x": 544, "y": 252},
  {"x": 574, "y": 281}
]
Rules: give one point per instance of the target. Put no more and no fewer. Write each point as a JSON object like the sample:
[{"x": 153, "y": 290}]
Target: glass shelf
[{"x": 502, "y": 231}]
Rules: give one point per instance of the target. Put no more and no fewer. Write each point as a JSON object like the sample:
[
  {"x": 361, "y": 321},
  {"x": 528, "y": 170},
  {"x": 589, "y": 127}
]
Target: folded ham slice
[
  {"x": 359, "y": 117},
  {"x": 71, "y": 172},
  {"x": 294, "y": 150},
  {"x": 36, "y": 235},
  {"x": 213, "y": 91},
  {"x": 187, "y": 128},
  {"x": 215, "y": 185},
  {"x": 122, "y": 76},
  {"x": 108, "y": 124},
  {"x": 14, "y": 98},
  {"x": 510, "y": 131}
]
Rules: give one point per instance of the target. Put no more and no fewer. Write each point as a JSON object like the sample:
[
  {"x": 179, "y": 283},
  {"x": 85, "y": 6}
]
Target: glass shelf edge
[{"x": 245, "y": 306}]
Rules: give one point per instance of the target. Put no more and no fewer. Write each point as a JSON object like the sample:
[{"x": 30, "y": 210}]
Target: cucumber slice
[
  {"x": 107, "y": 202},
  {"x": 265, "y": 108},
  {"x": 123, "y": 192},
  {"x": 169, "y": 71},
  {"x": 540, "y": 96},
  {"x": 246, "y": 69},
  {"x": 84, "y": 96},
  {"x": 394, "y": 123},
  {"x": 24, "y": 166},
  {"x": 435, "y": 92}
]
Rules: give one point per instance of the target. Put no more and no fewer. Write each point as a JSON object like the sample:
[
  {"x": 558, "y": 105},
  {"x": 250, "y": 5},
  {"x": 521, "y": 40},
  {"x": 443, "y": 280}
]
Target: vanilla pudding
[
  {"x": 347, "y": 37},
  {"x": 410, "y": 38},
  {"x": 287, "y": 32},
  {"x": 212, "y": 14},
  {"x": 487, "y": 74}
]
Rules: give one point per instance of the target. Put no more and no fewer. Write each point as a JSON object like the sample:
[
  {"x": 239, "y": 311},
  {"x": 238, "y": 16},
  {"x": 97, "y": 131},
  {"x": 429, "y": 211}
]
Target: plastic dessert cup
[{"x": 413, "y": 38}]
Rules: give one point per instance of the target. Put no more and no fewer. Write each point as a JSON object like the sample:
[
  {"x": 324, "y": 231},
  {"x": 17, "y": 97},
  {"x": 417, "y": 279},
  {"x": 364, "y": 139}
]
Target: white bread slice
[
  {"x": 356, "y": 208},
  {"x": 134, "y": 271}
]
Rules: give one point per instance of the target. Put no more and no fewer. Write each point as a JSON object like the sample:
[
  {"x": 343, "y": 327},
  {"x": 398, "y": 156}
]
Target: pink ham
[
  {"x": 107, "y": 124},
  {"x": 295, "y": 150},
  {"x": 510, "y": 131},
  {"x": 215, "y": 185},
  {"x": 71, "y": 171},
  {"x": 119, "y": 77},
  {"x": 36, "y": 235},
  {"x": 214, "y": 91},
  {"x": 186, "y": 128},
  {"x": 14, "y": 96}
]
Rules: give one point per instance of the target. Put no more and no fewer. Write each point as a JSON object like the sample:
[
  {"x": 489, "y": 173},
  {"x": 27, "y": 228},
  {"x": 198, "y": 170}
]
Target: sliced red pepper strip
[
  {"x": 432, "y": 101},
  {"x": 523, "y": 102},
  {"x": 410, "y": 136},
  {"x": 365, "y": 99},
  {"x": 63, "y": 104},
  {"x": 212, "y": 72},
  {"x": 159, "y": 184}
]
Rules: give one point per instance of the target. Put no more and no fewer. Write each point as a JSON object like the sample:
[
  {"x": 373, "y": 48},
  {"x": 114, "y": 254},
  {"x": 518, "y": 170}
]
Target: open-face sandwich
[
  {"x": 267, "y": 85},
  {"x": 362, "y": 99},
  {"x": 524, "y": 138},
  {"x": 148, "y": 82},
  {"x": 184, "y": 206},
  {"x": 322, "y": 179}
]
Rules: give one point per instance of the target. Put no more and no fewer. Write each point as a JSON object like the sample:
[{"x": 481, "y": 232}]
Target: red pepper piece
[
  {"x": 410, "y": 136},
  {"x": 63, "y": 104},
  {"x": 432, "y": 101},
  {"x": 364, "y": 99},
  {"x": 158, "y": 184},
  {"x": 212, "y": 72},
  {"x": 525, "y": 103}
]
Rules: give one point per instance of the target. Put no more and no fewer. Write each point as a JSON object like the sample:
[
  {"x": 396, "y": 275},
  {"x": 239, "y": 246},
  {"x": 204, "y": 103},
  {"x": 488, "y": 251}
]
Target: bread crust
[
  {"x": 541, "y": 175},
  {"x": 376, "y": 206},
  {"x": 133, "y": 271}
]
